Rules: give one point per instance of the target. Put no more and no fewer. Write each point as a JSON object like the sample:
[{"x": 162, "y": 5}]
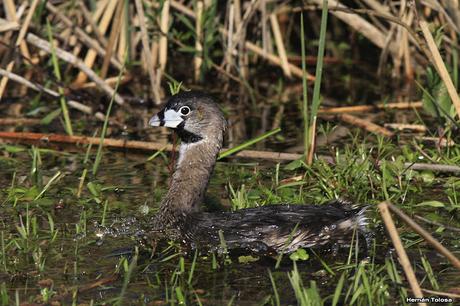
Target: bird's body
[{"x": 273, "y": 228}]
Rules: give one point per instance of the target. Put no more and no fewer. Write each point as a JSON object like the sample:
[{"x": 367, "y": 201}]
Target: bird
[{"x": 270, "y": 229}]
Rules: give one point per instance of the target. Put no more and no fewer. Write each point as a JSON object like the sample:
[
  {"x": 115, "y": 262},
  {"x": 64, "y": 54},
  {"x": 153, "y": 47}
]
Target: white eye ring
[{"x": 184, "y": 110}]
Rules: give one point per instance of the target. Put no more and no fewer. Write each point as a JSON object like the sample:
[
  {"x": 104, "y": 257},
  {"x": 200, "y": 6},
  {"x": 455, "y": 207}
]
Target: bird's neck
[{"x": 190, "y": 179}]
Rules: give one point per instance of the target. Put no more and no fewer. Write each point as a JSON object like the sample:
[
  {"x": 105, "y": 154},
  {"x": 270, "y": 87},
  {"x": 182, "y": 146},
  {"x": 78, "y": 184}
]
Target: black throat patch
[{"x": 186, "y": 136}]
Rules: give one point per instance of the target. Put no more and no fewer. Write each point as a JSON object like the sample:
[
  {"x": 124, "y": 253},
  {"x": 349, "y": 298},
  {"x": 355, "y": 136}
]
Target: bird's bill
[{"x": 169, "y": 118}]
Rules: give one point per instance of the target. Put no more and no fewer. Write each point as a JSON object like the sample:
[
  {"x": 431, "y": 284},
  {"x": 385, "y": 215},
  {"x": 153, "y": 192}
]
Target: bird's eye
[{"x": 184, "y": 110}]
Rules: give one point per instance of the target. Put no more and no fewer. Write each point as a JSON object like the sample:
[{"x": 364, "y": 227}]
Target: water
[{"x": 53, "y": 245}]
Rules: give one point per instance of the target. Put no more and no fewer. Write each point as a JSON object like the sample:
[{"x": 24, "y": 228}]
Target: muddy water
[{"x": 67, "y": 252}]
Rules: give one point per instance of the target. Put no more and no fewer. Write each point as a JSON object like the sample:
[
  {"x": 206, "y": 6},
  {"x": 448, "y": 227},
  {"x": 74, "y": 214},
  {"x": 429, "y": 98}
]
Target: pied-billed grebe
[{"x": 200, "y": 125}]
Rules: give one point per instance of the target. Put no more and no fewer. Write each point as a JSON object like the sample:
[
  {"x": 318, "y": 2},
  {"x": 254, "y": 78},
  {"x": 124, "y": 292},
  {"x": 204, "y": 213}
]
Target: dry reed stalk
[
  {"x": 101, "y": 7},
  {"x": 231, "y": 22},
  {"x": 20, "y": 39},
  {"x": 136, "y": 38},
  {"x": 19, "y": 121},
  {"x": 440, "y": 66},
  {"x": 65, "y": 35},
  {"x": 398, "y": 36},
  {"x": 198, "y": 60},
  {"x": 311, "y": 150},
  {"x": 452, "y": 10},
  {"x": 154, "y": 52},
  {"x": 142, "y": 145},
  {"x": 11, "y": 11},
  {"x": 242, "y": 54},
  {"x": 73, "y": 104},
  {"x": 384, "y": 54},
  {"x": 109, "y": 81},
  {"x": 123, "y": 38},
  {"x": 367, "y": 108},
  {"x": 90, "y": 21},
  {"x": 425, "y": 235},
  {"x": 421, "y": 151},
  {"x": 395, "y": 34},
  {"x": 280, "y": 45},
  {"x": 243, "y": 58},
  {"x": 414, "y": 38},
  {"x": 154, "y": 80},
  {"x": 296, "y": 71},
  {"x": 445, "y": 17},
  {"x": 70, "y": 58},
  {"x": 438, "y": 141},
  {"x": 440, "y": 293},
  {"x": 139, "y": 145},
  {"x": 27, "y": 20},
  {"x": 4, "y": 81},
  {"x": 265, "y": 31},
  {"x": 237, "y": 14},
  {"x": 409, "y": 71},
  {"x": 6, "y": 25},
  {"x": 116, "y": 27},
  {"x": 23, "y": 89},
  {"x": 365, "y": 124},
  {"x": 276, "y": 123},
  {"x": 404, "y": 126},
  {"x": 362, "y": 26},
  {"x": 228, "y": 74},
  {"x": 76, "y": 52},
  {"x": 163, "y": 47},
  {"x": 379, "y": 25},
  {"x": 403, "y": 258},
  {"x": 143, "y": 61},
  {"x": 241, "y": 25},
  {"x": 377, "y": 6},
  {"x": 91, "y": 54},
  {"x": 430, "y": 222}
]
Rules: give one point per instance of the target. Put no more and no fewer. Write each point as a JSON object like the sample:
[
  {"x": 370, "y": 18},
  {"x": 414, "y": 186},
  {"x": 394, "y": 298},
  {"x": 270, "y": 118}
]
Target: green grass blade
[
  {"x": 104, "y": 212},
  {"x": 127, "y": 278},
  {"x": 154, "y": 155},
  {"x": 97, "y": 161},
  {"x": 47, "y": 186},
  {"x": 338, "y": 289},
  {"x": 248, "y": 143},
  {"x": 304, "y": 89},
  {"x": 192, "y": 268},
  {"x": 180, "y": 296},
  {"x": 3, "y": 252},
  {"x": 275, "y": 290},
  {"x": 57, "y": 73},
  {"x": 319, "y": 63},
  {"x": 316, "y": 100}
]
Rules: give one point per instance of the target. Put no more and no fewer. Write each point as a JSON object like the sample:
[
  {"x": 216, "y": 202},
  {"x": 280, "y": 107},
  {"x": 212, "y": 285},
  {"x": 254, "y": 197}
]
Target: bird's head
[{"x": 193, "y": 115}]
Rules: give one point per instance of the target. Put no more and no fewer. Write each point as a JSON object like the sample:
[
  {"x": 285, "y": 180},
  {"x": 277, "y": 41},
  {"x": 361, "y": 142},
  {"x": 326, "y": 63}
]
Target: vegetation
[{"x": 361, "y": 101}]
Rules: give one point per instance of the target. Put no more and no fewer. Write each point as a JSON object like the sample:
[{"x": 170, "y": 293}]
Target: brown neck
[{"x": 190, "y": 179}]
